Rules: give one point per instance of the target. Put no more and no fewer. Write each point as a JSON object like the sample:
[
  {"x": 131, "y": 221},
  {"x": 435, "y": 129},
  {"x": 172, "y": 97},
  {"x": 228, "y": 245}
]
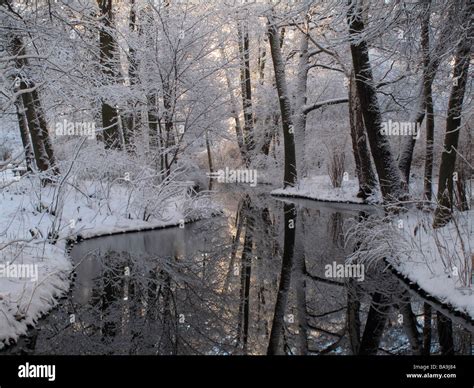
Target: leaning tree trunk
[
  {"x": 443, "y": 211},
  {"x": 290, "y": 176},
  {"x": 25, "y": 135},
  {"x": 43, "y": 127},
  {"x": 364, "y": 170},
  {"x": 388, "y": 173},
  {"x": 272, "y": 118},
  {"x": 429, "y": 74},
  {"x": 41, "y": 156},
  {"x": 33, "y": 112}
]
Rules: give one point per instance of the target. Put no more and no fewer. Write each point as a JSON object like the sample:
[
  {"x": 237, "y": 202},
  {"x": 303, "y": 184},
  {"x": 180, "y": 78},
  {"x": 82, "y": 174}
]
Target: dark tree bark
[
  {"x": 246, "y": 272},
  {"x": 25, "y": 135},
  {"x": 133, "y": 118},
  {"x": 33, "y": 111},
  {"x": 299, "y": 118},
  {"x": 41, "y": 157},
  {"x": 209, "y": 158},
  {"x": 375, "y": 325},
  {"x": 426, "y": 329},
  {"x": 285, "y": 279},
  {"x": 299, "y": 270},
  {"x": 443, "y": 211},
  {"x": 43, "y": 128},
  {"x": 353, "y": 317},
  {"x": 409, "y": 324},
  {"x": 152, "y": 109},
  {"x": 428, "y": 96},
  {"x": 388, "y": 173},
  {"x": 290, "y": 175},
  {"x": 246, "y": 88},
  {"x": 429, "y": 74},
  {"x": 445, "y": 334},
  {"x": 364, "y": 170},
  {"x": 108, "y": 65},
  {"x": 235, "y": 114},
  {"x": 271, "y": 121}
]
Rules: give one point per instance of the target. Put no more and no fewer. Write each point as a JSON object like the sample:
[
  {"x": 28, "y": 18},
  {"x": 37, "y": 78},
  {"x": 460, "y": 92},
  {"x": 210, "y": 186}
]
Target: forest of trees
[
  {"x": 259, "y": 84},
  {"x": 117, "y": 114}
]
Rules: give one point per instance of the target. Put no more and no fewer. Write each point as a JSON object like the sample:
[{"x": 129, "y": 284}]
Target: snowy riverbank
[
  {"x": 438, "y": 261},
  {"x": 36, "y": 223},
  {"x": 320, "y": 188}
]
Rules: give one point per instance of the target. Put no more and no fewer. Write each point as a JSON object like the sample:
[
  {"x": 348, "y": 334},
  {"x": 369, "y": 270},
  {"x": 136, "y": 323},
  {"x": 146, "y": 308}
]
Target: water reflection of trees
[
  {"x": 250, "y": 283},
  {"x": 392, "y": 323}
]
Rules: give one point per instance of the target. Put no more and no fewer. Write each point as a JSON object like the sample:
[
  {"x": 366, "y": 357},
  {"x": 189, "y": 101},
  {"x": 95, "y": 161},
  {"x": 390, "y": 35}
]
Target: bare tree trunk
[
  {"x": 153, "y": 135},
  {"x": 33, "y": 111},
  {"x": 443, "y": 211},
  {"x": 387, "y": 171},
  {"x": 209, "y": 158},
  {"x": 290, "y": 176},
  {"x": 428, "y": 96},
  {"x": 133, "y": 119},
  {"x": 271, "y": 121},
  {"x": 408, "y": 144},
  {"x": 364, "y": 169},
  {"x": 246, "y": 88},
  {"x": 25, "y": 135},
  {"x": 44, "y": 131},
  {"x": 235, "y": 114},
  {"x": 42, "y": 148},
  {"x": 109, "y": 70},
  {"x": 300, "y": 102},
  {"x": 429, "y": 74}
]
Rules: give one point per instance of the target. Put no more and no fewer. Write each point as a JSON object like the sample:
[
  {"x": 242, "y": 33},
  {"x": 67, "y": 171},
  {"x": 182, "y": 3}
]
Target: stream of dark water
[{"x": 253, "y": 281}]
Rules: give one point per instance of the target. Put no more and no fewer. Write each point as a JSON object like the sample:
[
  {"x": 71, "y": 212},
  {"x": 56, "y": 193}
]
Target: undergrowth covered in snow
[
  {"x": 438, "y": 260},
  {"x": 101, "y": 194}
]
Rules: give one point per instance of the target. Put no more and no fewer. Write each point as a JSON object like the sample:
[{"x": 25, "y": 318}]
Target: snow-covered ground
[
  {"x": 439, "y": 261},
  {"x": 34, "y": 270},
  {"x": 320, "y": 188}
]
